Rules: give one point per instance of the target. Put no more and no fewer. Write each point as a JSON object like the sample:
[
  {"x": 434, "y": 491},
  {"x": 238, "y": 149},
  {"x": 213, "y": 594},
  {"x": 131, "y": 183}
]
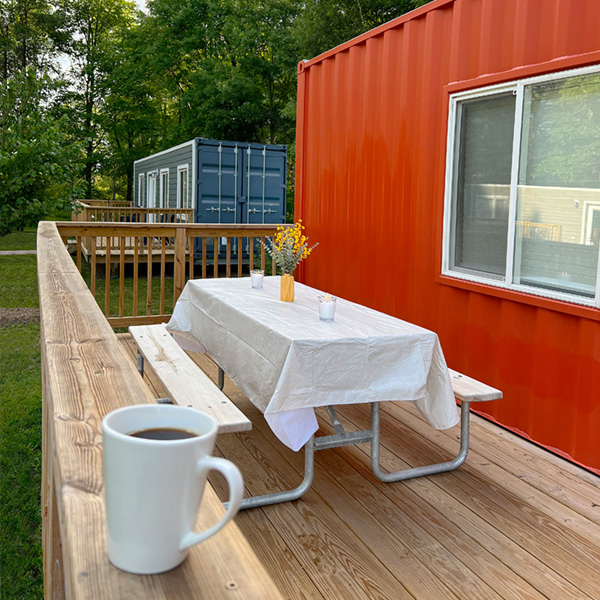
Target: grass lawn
[
  {"x": 18, "y": 281},
  {"x": 20, "y": 429},
  {"x": 20, "y": 463},
  {"x": 21, "y": 575},
  {"x": 128, "y": 291},
  {"x": 21, "y": 240}
]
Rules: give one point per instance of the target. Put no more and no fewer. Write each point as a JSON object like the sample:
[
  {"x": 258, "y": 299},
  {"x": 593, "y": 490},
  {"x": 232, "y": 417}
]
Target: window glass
[
  {"x": 184, "y": 200},
  {"x": 164, "y": 189},
  {"x": 556, "y": 242},
  {"x": 140, "y": 194},
  {"x": 483, "y": 173}
]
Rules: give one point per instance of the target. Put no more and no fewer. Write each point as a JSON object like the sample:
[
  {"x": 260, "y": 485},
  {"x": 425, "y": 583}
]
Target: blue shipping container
[{"x": 225, "y": 182}]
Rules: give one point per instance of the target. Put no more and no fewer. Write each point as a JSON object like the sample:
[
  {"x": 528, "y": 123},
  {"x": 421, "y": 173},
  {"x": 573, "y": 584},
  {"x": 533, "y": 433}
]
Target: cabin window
[
  {"x": 183, "y": 196},
  {"x": 151, "y": 189},
  {"x": 523, "y": 186},
  {"x": 140, "y": 190},
  {"x": 164, "y": 188}
]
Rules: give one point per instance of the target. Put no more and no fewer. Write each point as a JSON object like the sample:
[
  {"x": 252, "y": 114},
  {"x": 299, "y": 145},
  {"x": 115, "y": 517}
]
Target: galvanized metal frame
[
  {"x": 340, "y": 438},
  {"x": 343, "y": 438}
]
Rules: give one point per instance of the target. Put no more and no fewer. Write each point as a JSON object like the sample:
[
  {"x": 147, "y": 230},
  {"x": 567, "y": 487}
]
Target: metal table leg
[
  {"x": 418, "y": 471},
  {"x": 337, "y": 440},
  {"x": 342, "y": 438},
  {"x": 276, "y": 497}
]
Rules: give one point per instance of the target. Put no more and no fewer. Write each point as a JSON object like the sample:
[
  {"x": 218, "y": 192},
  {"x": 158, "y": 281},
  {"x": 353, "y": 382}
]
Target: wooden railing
[
  {"x": 94, "y": 202},
  {"x": 85, "y": 375},
  {"x": 150, "y": 263},
  {"x": 121, "y": 212},
  {"x": 115, "y": 213},
  {"x": 539, "y": 231}
]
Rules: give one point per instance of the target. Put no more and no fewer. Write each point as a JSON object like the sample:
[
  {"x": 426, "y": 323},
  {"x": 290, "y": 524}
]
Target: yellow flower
[{"x": 289, "y": 246}]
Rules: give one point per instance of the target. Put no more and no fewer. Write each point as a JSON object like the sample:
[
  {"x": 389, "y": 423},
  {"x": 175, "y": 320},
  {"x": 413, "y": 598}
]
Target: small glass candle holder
[
  {"x": 256, "y": 277},
  {"x": 327, "y": 304}
]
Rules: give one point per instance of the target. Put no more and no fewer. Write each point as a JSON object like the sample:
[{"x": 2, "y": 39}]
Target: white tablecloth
[{"x": 287, "y": 361}]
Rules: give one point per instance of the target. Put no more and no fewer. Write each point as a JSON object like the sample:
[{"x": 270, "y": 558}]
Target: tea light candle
[
  {"x": 327, "y": 305},
  {"x": 256, "y": 277}
]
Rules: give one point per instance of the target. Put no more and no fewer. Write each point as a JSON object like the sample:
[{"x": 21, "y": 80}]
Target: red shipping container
[{"x": 372, "y": 131}]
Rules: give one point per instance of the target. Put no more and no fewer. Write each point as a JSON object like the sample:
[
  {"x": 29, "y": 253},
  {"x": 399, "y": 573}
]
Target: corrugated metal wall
[{"x": 371, "y": 151}]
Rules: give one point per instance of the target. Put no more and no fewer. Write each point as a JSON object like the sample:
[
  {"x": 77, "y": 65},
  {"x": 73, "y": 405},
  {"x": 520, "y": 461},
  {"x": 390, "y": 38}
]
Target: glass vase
[{"x": 286, "y": 292}]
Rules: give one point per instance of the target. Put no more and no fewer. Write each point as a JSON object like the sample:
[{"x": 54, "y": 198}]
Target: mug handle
[{"x": 236, "y": 490}]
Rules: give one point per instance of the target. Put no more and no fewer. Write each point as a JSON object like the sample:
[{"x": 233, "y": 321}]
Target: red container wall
[{"x": 370, "y": 176}]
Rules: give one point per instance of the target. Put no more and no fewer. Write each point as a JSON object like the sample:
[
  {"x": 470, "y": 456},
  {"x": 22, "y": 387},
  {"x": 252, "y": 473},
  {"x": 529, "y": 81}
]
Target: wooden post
[
  {"x": 93, "y": 248},
  {"x": 163, "y": 266},
  {"x": 51, "y": 544},
  {"x": 107, "y": 276},
  {"x": 179, "y": 265},
  {"x": 228, "y": 257},
  {"x": 149, "y": 276},
  {"x": 122, "y": 277},
  {"x": 190, "y": 245},
  {"x": 136, "y": 265},
  {"x": 79, "y": 253}
]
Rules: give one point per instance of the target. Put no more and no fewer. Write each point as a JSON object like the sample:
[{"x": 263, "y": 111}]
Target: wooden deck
[{"x": 514, "y": 522}]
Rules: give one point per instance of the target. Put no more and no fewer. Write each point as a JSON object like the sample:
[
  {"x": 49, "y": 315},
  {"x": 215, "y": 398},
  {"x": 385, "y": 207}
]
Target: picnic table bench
[{"x": 188, "y": 385}]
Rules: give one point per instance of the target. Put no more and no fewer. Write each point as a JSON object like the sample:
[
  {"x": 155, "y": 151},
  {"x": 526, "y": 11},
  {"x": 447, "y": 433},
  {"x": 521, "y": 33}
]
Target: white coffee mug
[{"x": 153, "y": 488}]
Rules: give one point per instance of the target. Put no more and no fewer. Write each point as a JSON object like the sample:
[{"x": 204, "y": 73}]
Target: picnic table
[{"x": 288, "y": 362}]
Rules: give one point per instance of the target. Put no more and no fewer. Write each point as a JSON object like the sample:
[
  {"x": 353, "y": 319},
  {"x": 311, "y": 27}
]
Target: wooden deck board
[{"x": 513, "y": 522}]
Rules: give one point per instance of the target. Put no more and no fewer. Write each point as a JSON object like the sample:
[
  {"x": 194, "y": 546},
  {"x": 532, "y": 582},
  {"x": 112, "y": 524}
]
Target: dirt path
[{"x": 18, "y": 316}]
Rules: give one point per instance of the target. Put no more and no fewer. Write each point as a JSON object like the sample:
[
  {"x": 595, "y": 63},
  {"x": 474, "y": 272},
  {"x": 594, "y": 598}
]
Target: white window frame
[
  {"x": 589, "y": 208},
  {"x": 140, "y": 191},
  {"x": 151, "y": 186},
  {"x": 181, "y": 169},
  {"x": 163, "y": 194},
  {"x": 506, "y": 282}
]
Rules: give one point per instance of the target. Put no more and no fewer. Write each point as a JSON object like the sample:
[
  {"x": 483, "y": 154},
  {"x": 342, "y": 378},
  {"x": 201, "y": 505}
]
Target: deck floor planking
[{"x": 514, "y": 522}]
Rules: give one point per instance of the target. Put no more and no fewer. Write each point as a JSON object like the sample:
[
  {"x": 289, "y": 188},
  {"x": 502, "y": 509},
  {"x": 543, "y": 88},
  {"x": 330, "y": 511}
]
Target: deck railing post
[
  {"x": 177, "y": 245},
  {"x": 179, "y": 265}
]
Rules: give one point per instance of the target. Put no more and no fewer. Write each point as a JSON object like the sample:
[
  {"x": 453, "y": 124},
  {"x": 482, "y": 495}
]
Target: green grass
[
  {"x": 128, "y": 291},
  {"x": 21, "y": 572},
  {"x": 21, "y": 240},
  {"x": 18, "y": 281}
]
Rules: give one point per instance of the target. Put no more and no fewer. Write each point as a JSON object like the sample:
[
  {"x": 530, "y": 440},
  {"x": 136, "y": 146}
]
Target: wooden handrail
[
  {"x": 139, "y": 249},
  {"x": 85, "y": 375}
]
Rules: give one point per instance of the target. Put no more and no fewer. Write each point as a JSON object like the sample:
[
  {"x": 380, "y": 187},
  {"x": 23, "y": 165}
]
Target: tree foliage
[
  {"x": 89, "y": 86},
  {"x": 37, "y": 165},
  {"x": 324, "y": 24}
]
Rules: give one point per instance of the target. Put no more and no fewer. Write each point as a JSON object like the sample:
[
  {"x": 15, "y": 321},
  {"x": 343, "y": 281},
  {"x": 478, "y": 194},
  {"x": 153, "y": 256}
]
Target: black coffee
[{"x": 164, "y": 434}]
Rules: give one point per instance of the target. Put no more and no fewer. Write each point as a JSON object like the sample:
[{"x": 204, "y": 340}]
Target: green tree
[
  {"x": 37, "y": 163},
  {"x": 229, "y": 66},
  {"x": 91, "y": 24},
  {"x": 324, "y": 24},
  {"x": 31, "y": 33},
  {"x": 131, "y": 114}
]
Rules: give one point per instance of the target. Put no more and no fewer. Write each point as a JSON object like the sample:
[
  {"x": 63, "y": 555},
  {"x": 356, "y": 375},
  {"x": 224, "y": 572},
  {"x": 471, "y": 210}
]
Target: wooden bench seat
[
  {"x": 188, "y": 385},
  {"x": 185, "y": 382},
  {"x": 467, "y": 389}
]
